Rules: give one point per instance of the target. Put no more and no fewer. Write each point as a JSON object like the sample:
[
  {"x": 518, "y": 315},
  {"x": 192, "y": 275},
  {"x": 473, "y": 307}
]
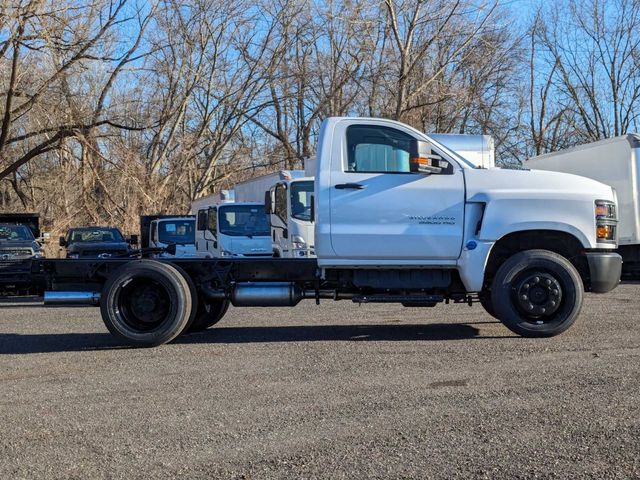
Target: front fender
[{"x": 573, "y": 216}]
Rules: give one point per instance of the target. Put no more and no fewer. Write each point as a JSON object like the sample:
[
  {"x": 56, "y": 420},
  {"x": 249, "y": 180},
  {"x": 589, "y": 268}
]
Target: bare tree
[{"x": 593, "y": 47}]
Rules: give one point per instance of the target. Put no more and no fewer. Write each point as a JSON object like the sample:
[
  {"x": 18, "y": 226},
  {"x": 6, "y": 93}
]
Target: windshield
[
  {"x": 95, "y": 235},
  {"x": 301, "y": 193},
  {"x": 177, "y": 231},
  {"x": 15, "y": 233},
  {"x": 243, "y": 220}
]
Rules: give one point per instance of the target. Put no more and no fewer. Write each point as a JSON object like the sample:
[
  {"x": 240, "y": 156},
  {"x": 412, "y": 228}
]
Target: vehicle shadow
[
  {"x": 15, "y": 344},
  {"x": 333, "y": 333}
]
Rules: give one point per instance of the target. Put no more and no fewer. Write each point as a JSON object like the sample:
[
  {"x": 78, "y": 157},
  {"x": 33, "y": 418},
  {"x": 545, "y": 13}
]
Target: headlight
[
  {"x": 605, "y": 210},
  {"x": 298, "y": 242},
  {"x": 224, "y": 253},
  {"x": 606, "y": 221}
]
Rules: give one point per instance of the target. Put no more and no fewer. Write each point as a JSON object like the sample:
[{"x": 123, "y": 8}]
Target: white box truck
[
  {"x": 223, "y": 196},
  {"x": 478, "y": 149},
  {"x": 253, "y": 190},
  {"x": 615, "y": 162}
]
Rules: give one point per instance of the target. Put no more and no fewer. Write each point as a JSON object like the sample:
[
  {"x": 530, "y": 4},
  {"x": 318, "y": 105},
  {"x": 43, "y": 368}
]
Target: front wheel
[{"x": 537, "y": 293}]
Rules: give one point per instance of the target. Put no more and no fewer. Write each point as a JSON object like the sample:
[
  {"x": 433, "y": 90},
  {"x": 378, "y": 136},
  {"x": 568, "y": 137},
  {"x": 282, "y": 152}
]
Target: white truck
[
  {"x": 398, "y": 218},
  {"x": 615, "y": 162},
  {"x": 160, "y": 231},
  {"x": 288, "y": 204},
  {"x": 241, "y": 227},
  {"x": 233, "y": 230}
]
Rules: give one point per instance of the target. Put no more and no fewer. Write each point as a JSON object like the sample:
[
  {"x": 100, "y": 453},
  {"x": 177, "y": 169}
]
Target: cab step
[{"x": 407, "y": 300}]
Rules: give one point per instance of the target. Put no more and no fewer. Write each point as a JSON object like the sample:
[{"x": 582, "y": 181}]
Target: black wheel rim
[
  {"x": 143, "y": 304},
  {"x": 538, "y": 295}
]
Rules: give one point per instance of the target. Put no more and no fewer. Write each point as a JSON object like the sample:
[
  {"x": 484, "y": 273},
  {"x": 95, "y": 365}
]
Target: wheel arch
[{"x": 557, "y": 241}]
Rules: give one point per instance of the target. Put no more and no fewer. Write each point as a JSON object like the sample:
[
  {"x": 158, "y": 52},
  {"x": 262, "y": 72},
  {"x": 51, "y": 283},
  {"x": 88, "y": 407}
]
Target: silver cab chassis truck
[{"x": 398, "y": 218}]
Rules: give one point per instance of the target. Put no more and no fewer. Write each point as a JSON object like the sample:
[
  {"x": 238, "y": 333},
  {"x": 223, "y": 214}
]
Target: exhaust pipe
[
  {"x": 71, "y": 298},
  {"x": 266, "y": 294}
]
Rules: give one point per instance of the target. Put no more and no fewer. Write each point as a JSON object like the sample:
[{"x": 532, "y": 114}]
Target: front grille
[{"x": 17, "y": 254}]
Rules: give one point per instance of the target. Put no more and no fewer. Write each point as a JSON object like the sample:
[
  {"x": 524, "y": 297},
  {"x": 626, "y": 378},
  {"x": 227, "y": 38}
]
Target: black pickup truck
[
  {"x": 19, "y": 234},
  {"x": 95, "y": 242}
]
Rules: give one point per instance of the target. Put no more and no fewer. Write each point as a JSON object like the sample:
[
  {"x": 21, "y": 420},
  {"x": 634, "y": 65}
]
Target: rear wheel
[
  {"x": 537, "y": 293},
  {"x": 146, "y": 303},
  {"x": 485, "y": 301},
  {"x": 209, "y": 313}
]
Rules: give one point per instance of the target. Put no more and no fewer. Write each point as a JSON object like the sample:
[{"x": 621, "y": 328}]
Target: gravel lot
[{"x": 337, "y": 391}]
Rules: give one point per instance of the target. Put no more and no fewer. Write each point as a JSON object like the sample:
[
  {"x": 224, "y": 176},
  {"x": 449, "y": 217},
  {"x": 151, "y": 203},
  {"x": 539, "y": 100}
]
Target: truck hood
[
  {"x": 526, "y": 200},
  {"x": 483, "y": 184},
  {"x": 98, "y": 247},
  {"x": 13, "y": 244},
  {"x": 248, "y": 246}
]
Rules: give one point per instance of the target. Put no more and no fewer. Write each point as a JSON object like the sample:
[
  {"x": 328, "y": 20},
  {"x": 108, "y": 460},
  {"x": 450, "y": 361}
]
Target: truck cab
[
  {"x": 178, "y": 231},
  {"x": 289, "y": 206},
  {"x": 233, "y": 230}
]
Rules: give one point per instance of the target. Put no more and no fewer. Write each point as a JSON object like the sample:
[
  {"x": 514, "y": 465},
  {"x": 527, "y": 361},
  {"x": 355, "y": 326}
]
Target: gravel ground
[{"x": 337, "y": 391}]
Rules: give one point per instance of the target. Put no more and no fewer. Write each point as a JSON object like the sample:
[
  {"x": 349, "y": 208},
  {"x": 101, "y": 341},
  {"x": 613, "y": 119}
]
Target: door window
[
  {"x": 281, "y": 202},
  {"x": 213, "y": 221},
  {"x": 202, "y": 220},
  {"x": 375, "y": 149}
]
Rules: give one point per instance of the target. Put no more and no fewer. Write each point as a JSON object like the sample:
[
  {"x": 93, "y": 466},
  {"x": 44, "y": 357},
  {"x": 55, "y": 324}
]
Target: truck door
[
  {"x": 279, "y": 221},
  {"x": 382, "y": 211},
  {"x": 206, "y": 232}
]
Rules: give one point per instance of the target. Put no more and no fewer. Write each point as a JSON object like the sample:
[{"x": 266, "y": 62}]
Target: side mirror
[
  {"x": 424, "y": 161},
  {"x": 62, "y": 242},
  {"x": 133, "y": 240},
  {"x": 285, "y": 233},
  {"x": 267, "y": 202},
  {"x": 171, "y": 249},
  {"x": 312, "y": 213}
]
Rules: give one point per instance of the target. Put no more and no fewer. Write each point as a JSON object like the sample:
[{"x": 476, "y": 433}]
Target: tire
[
  {"x": 537, "y": 293},
  {"x": 146, "y": 303},
  {"x": 485, "y": 301},
  {"x": 195, "y": 304},
  {"x": 208, "y": 314}
]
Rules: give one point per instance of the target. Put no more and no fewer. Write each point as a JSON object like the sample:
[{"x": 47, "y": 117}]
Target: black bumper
[{"x": 605, "y": 269}]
